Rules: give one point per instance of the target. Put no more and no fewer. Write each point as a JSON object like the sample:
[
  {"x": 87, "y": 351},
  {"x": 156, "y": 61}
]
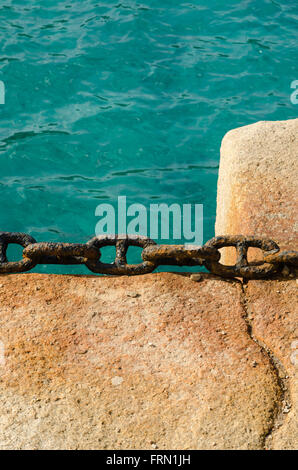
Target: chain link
[
  {"x": 26, "y": 264},
  {"x": 153, "y": 255}
]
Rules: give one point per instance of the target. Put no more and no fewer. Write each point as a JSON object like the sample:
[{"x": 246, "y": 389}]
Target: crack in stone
[{"x": 278, "y": 369}]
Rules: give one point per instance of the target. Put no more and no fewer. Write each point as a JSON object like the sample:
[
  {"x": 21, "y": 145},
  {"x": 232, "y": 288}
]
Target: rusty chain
[{"x": 153, "y": 255}]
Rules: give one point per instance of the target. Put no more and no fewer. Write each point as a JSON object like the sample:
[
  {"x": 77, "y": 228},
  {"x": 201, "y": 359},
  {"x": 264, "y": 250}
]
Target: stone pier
[{"x": 161, "y": 361}]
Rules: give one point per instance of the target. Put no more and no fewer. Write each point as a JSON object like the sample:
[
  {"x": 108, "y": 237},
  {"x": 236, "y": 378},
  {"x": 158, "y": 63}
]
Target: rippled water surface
[{"x": 130, "y": 98}]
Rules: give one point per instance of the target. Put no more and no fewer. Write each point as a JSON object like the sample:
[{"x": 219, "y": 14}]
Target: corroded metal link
[
  {"x": 120, "y": 266},
  {"x": 111, "y": 240},
  {"x": 153, "y": 255},
  {"x": 242, "y": 268},
  {"x": 61, "y": 253},
  {"x": 7, "y": 238},
  {"x": 180, "y": 255},
  {"x": 286, "y": 257}
]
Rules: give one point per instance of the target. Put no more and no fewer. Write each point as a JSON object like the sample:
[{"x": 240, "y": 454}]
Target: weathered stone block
[{"x": 156, "y": 361}]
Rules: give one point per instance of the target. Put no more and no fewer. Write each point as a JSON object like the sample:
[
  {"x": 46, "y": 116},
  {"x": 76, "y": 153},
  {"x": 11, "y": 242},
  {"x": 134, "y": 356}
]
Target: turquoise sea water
[{"x": 130, "y": 98}]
